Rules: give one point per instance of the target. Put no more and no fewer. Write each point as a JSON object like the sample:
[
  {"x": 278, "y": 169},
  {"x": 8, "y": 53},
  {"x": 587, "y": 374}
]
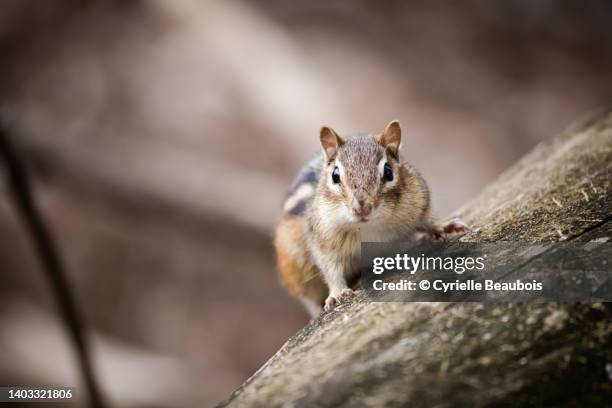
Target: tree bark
[{"x": 471, "y": 354}]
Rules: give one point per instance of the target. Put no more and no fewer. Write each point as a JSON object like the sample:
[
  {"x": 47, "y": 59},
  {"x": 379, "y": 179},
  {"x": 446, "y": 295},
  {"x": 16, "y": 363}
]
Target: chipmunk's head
[{"x": 362, "y": 180}]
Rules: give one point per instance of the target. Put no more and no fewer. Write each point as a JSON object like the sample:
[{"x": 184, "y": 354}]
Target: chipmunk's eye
[
  {"x": 336, "y": 175},
  {"x": 387, "y": 173}
]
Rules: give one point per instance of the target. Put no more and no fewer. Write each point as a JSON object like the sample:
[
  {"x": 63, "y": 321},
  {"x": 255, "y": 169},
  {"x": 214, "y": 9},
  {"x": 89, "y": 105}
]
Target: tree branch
[{"x": 50, "y": 261}]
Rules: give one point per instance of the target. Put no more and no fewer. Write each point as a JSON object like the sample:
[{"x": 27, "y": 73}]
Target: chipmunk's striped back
[
  {"x": 298, "y": 273},
  {"x": 303, "y": 188}
]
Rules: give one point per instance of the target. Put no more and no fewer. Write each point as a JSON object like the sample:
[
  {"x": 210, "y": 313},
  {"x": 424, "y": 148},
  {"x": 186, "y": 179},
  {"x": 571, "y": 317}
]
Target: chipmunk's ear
[
  {"x": 391, "y": 137},
  {"x": 330, "y": 141}
]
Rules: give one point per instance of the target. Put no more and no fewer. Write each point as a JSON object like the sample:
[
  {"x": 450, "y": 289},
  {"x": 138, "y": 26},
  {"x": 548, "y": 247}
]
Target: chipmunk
[{"x": 357, "y": 189}]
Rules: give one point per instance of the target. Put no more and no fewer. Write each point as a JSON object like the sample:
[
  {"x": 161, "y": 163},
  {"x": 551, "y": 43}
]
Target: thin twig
[{"x": 50, "y": 260}]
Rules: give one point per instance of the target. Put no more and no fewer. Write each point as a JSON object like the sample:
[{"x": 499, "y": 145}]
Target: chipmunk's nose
[{"x": 362, "y": 209}]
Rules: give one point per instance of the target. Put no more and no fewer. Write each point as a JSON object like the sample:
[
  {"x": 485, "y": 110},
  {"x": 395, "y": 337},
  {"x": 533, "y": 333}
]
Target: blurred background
[{"x": 162, "y": 135}]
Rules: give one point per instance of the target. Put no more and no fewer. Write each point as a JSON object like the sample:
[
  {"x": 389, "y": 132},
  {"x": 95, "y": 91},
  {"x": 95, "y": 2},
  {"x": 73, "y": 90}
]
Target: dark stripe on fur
[{"x": 300, "y": 207}]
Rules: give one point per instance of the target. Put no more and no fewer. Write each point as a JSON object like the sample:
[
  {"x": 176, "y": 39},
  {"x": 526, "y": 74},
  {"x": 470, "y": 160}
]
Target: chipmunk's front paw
[
  {"x": 334, "y": 299},
  {"x": 444, "y": 232},
  {"x": 455, "y": 228}
]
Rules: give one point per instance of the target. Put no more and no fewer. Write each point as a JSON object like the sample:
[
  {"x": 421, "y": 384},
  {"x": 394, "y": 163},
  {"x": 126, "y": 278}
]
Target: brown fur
[{"x": 299, "y": 275}]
